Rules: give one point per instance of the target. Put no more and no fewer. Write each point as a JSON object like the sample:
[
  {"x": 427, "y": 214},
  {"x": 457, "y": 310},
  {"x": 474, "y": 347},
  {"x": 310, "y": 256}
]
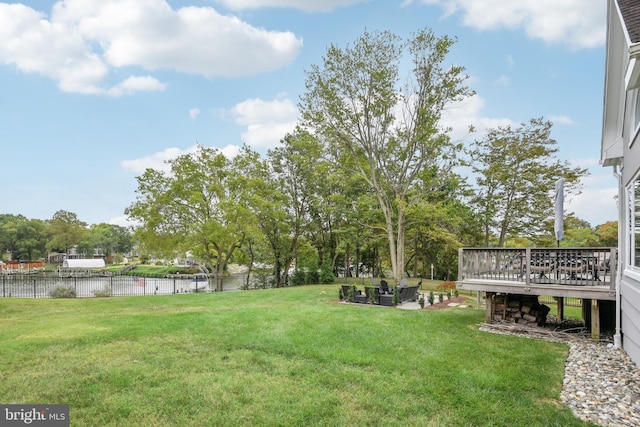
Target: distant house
[
  {"x": 56, "y": 257},
  {"x": 621, "y": 150}
]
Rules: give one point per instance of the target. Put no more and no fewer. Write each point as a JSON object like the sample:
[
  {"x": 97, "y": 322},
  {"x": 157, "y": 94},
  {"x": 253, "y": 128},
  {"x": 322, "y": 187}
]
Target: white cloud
[
  {"x": 123, "y": 221},
  {"x": 267, "y": 122},
  {"x": 561, "y": 120},
  {"x": 155, "y": 161},
  {"x": 136, "y": 84},
  {"x": 194, "y": 113},
  {"x": 306, "y": 5},
  {"x": 577, "y": 23},
  {"x": 158, "y": 160},
  {"x": 468, "y": 112},
  {"x": 596, "y": 204},
  {"x": 82, "y": 41},
  {"x": 230, "y": 151}
]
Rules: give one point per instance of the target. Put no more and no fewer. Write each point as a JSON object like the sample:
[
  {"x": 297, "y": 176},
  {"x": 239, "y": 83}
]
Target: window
[
  {"x": 633, "y": 222},
  {"x": 636, "y": 113}
]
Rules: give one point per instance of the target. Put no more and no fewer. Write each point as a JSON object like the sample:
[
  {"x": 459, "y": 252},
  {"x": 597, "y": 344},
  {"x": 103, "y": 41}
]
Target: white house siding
[
  {"x": 630, "y": 304},
  {"x": 619, "y": 149}
]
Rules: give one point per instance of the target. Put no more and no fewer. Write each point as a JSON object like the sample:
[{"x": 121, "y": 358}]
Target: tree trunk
[
  {"x": 398, "y": 272},
  {"x": 219, "y": 274}
]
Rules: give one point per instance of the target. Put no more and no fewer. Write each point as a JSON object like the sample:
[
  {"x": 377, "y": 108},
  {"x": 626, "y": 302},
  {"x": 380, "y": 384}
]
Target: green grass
[
  {"x": 145, "y": 270},
  {"x": 273, "y": 357}
]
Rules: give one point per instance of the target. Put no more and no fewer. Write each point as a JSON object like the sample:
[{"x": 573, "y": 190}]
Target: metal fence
[
  {"x": 568, "y": 301},
  {"x": 48, "y": 286}
]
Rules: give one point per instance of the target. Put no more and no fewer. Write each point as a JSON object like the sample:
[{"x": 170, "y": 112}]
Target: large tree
[
  {"x": 358, "y": 102},
  {"x": 9, "y": 236},
  {"x": 65, "y": 230},
  {"x": 194, "y": 208},
  {"x": 516, "y": 171}
]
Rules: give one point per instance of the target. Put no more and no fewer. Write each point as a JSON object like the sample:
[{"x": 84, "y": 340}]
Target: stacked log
[{"x": 521, "y": 309}]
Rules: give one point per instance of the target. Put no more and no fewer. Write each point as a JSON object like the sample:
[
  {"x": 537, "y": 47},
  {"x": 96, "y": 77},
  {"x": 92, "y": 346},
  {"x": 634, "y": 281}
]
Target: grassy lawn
[{"x": 273, "y": 357}]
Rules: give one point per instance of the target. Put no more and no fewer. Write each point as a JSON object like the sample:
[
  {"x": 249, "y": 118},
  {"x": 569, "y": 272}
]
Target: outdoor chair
[
  {"x": 408, "y": 293},
  {"x": 372, "y": 292},
  {"x": 384, "y": 287},
  {"x": 359, "y": 297},
  {"x": 345, "y": 292}
]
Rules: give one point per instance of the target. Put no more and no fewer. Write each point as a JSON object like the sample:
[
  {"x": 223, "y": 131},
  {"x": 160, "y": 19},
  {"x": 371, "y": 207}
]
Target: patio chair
[
  {"x": 384, "y": 287},
  {"x": 359, "y": 297},
  {"x": 345, "y": 292},
  {"x": 408, "y": 293}
]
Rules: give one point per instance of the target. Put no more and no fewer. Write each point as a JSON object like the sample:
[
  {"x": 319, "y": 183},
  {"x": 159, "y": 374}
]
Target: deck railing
[{"x": 547, "y": 266}]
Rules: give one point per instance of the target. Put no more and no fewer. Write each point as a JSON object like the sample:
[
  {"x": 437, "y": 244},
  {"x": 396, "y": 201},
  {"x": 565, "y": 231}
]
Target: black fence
[{"x": 51, "y": 286}]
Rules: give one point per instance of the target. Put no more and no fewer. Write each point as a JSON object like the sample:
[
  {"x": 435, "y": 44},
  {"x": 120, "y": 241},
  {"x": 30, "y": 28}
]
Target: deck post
[
  {"x": 527, "y": 260},
  {"x": 490, "y": 307},
  {"x": 595, "y": 320},
  {"x": 560, "y": 303}
]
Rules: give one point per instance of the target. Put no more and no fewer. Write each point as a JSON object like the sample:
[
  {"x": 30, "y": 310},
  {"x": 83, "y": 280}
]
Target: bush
[
  {"x": 102, "y": 293},
  {"x": 326, "y": 274},
  {"x": 297, "y": 278},
  {"x": 62, "y": 292},
  {"x": 431, "y": 298},
  {"x": 421, "y": 301},
  {"x": 448, "y": 285},
  {"x": 313, "y": 276}
]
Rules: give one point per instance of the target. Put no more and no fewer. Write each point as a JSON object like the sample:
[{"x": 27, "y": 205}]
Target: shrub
[
  {"x": 297, "y": 278},
  {"x": 105, "y": 292},
  {"x": 312, "y": 276},
  {"x": 431, "y": 298},
  {"x": 446, "y": 286},
  {"x": 421, "y": 301},
  {"x": 340, "y": 294},
  {"x": 352, "y": 290},
  {"x": 372, "y": 293},
  {"x": 62, "y": 292},
  {"x": 326, "y": 274},
  {"x": 396, "y": 296}
]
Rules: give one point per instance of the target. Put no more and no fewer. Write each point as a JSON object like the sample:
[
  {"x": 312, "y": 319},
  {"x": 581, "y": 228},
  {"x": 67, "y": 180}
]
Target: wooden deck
[{"x": 586, "y": 273}]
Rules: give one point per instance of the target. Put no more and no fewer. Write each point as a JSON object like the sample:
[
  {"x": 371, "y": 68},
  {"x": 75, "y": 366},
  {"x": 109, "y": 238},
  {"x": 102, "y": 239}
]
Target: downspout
[{"x": 617, "y": 338}]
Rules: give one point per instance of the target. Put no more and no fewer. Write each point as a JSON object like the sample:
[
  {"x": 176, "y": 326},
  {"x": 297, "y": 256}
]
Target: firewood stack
[{"x": 521, "y": 309}]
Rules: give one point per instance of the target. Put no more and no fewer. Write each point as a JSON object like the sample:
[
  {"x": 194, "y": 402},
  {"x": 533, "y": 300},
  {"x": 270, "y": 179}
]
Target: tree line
[
  {"x": 23, "y": 238},
  {"x": 370, "y": 180}
]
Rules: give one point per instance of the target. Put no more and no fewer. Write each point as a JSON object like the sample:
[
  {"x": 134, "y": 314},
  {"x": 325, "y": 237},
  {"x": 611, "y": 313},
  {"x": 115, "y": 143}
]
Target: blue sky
[{"x": 94, "y": 91}]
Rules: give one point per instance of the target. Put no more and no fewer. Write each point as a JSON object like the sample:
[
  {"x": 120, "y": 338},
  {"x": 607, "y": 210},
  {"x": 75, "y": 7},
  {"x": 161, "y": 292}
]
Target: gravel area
[{"x": 601, "y": 384}]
